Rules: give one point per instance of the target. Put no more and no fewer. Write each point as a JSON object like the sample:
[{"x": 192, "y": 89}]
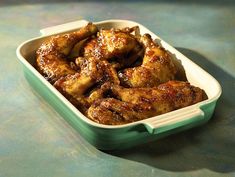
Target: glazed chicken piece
[
  {"x": 157, "y": 67},
  {"x": 51, "y": 56},
  {"x": 92, "y": 84},
  {"x": 93, "y": 72},
  {"x": 132, "y": 104},
  {"x": 115, "y": 45},
  {"x": 111, "y": 111}
]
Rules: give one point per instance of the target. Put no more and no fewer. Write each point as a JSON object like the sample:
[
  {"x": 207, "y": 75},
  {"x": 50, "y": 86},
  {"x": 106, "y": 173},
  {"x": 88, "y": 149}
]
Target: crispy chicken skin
[
  {"x": 115, "y": 76},
  {"x": 51, "y": 55},
  {"x": 92, "y": 72},
  {"x": 116, "y": 45},
  {"x": 157, "y": 67},
  {"x": 132, "y": 104},
  {"x": 111, "y": 111}
]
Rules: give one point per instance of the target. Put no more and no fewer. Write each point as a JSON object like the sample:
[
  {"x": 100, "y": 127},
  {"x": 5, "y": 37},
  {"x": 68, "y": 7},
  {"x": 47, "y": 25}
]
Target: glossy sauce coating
[{"x": 115, "y": 76}]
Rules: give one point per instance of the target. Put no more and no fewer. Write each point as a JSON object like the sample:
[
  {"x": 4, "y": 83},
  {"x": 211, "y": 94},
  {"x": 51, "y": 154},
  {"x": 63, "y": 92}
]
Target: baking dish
[{"x": 107, "y": 137}]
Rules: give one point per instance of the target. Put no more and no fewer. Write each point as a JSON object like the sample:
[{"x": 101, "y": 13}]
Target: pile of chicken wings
[{"x": 115, "y": 76}]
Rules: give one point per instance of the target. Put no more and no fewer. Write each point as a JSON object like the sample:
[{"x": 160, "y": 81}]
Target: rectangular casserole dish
[{"x": 107, "y": 137}]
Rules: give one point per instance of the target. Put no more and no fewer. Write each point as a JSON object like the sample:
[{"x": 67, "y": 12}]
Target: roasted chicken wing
[
  {"x": 93, "y": 72},
  {"x": 117, "y": 46},
  {"x": 132, "y": 104},
  {"x": 157, "y": 67},
  {"x": 51, "y": 55}
]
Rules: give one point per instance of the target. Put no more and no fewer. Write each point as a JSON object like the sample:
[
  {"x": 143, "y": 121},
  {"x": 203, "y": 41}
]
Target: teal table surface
[{"x": 35, "y": 141}]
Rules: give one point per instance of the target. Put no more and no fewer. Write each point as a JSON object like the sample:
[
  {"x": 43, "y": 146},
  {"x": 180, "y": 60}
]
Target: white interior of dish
[{"x": 195, "y": 75}]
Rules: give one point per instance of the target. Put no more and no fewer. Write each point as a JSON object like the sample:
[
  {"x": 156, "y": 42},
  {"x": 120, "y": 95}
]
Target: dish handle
[
  {"x": 174, "y": 120},
  {"x": 63, "y": 27}
]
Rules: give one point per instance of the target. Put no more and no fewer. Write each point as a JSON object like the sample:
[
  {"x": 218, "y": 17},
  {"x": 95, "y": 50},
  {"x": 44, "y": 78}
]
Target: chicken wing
[
  {"x": 118, "y": 46},
  {"x": 157, "y": 67},
  {"x": 93, "y": 72},
  {"x": 111, "y": 111},
  {"x": 144, "y": 102},
  {"x": 51, "y": 55}
]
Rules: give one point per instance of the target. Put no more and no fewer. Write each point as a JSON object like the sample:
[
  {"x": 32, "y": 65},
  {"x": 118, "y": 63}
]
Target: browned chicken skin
[
  {"x": 116, "y": 45},
  {"x": 84, "y": 66},
  {"x": 51, "y": 56},
  {"x": 157, "y": 67},
  {"x": 132, "y": 104},
  {"x": 92, "y": 72}
]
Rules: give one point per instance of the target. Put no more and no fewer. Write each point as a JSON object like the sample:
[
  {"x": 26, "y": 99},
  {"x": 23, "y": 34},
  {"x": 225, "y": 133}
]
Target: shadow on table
[{"x": 210, "y": 146}]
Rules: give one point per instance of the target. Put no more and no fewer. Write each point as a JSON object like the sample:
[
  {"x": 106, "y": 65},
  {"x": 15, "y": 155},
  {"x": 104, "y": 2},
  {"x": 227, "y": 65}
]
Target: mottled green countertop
[{"x": 36, "y": 142}]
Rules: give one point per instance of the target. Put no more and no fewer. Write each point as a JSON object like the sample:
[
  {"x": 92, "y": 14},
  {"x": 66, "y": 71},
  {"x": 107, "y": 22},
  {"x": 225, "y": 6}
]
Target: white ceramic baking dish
[{"x": 122, "y": 136}]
